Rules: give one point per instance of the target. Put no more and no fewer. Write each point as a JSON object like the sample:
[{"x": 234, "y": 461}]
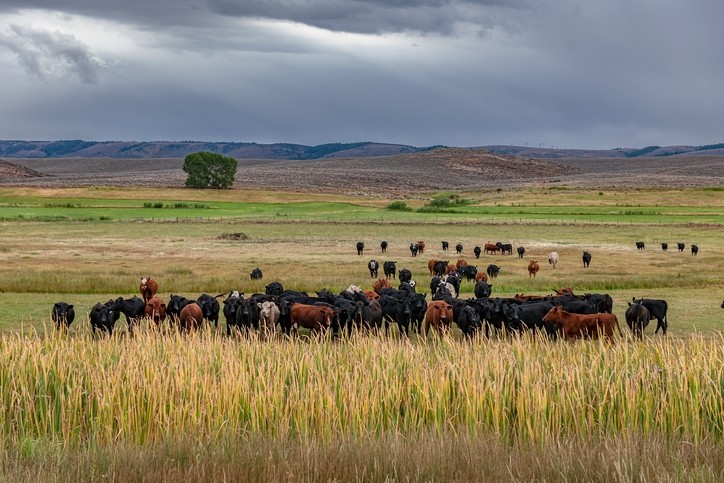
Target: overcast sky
[{"x": 564, "y": 73}]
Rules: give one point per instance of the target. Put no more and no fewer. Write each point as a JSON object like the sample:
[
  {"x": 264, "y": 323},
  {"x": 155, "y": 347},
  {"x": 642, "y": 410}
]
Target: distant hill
[
  {"x": 166, "y": 149},
  {"x": 648, "y": 151}
]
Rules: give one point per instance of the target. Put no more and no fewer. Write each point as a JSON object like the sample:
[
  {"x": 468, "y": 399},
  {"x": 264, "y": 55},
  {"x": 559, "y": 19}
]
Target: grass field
[{"x": 206, "y": 407}]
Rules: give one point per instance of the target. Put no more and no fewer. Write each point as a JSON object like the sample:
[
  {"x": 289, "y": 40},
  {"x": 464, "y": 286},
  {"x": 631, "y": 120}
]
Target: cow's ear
[
  {"x": 629, "y": 304},
  {"x": 258, "y": 304},
  {"x": 57, "y": 304}
]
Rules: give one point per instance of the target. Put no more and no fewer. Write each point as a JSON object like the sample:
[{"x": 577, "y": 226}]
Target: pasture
[{"x": 142, "y": 402}]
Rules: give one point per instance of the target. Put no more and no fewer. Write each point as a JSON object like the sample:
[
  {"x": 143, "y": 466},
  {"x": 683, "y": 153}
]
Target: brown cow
[
  {"x": 381, "y": 283},
  {"x": 420, "y": 247},
  {"x": 439, "y": 316},
  {"x": 574, "y": 326},
  {"x": 371, "y": 295},
  {"x": 565, "y": 290},
  {"x": 431, "y": 266},
  {"x": 314, "y": 317},
  {"x": 461, "y": 263},
  {"x": 481, "y": 276},
  {"x": 148, "y": 288},
  {"x": 451, "y": 269},
  {"x": 533, "y": 268},
  {"x": 190, "y": 317},
  {"x": 520, "y": 296},
  {"x": 490, "y": 248},
  {"x": 156, "y": 310}
]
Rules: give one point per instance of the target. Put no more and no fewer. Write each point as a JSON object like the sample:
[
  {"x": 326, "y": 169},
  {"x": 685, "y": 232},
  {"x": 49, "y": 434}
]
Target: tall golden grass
[{"x": 153, "y": 388}]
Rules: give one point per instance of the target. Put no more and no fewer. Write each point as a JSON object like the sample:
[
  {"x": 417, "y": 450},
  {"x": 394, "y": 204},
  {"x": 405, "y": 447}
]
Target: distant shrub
[
  {"x": 444, "y": 201},
  {"x": 398, "y": 206}
]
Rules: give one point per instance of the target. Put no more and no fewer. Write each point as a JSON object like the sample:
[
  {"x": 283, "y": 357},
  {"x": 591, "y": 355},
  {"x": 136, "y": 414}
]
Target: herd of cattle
[{"x": 563, "y": 314}]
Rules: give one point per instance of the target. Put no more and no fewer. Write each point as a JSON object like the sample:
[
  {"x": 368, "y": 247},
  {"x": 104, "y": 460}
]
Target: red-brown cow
[
  {"x": 491, "y": 248},
  {"x": 481, "y": 276},
  {"x": 574, "y": 326},
  {"x": 148, "y": 288},
  {"x": 461, "y": 263},
  {"x": 156, "y": 310},
  {"x": 314, "y": 317},
  {"x": 565, "y": 290},
  {"x": 439, "y": 316},
  {"x": 533, "y": 268},
  {"x": 371, "y": 295},
  {"x": 190, "y": 317},
  {"x": 431, "y": 266},
  {"x": 420, "y": 247},
  {"x": 380, "y": 284}
]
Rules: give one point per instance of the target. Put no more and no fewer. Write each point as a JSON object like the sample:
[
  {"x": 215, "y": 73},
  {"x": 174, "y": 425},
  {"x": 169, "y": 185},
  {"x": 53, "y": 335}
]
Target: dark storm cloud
[{"x": 48, "y": 55}]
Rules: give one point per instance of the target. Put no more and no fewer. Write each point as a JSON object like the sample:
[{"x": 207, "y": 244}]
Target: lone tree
[{"x": 209, "y": 170}]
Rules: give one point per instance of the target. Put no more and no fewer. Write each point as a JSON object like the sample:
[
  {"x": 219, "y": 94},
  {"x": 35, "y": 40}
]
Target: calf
[
  {"x": 360, "y": 248},
  {"x": 317, "y": 318},
  {"x": 505, "y": 248},
  {"x": 380, "y": 284},
  {"x": 439, "y": 316},
  {"x": 62, "y": 314},
  {"x": 490, "y": 248},
  {"x": 420, "y": 247},
  {"x": 231, "y": 305},
  {"x": 637, "y": 318},
  {"x": 469, "y": 272},
  {"x": 373, "y": 266},
  {"x": 481, "y": 276},
  {"x": 148, "y": 288},
  {"x": 586, "y": 259}
]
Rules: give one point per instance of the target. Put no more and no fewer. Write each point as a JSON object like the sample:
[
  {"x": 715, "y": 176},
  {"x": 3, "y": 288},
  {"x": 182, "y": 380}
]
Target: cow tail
[{"x": 620, "y": 333}]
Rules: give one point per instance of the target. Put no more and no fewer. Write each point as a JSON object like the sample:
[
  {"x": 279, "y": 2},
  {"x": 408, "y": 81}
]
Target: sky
[{"x": 553, "y": 73}]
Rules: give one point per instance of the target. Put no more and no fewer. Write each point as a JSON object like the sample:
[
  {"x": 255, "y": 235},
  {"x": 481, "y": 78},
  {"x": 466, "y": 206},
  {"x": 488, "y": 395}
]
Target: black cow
[
  {"x": 505, "y": 248},
  {"x": 657, "y": 310},
  {"x": 528, "y": 316},
  {"x": 383, "y": 246},
  {"x": 453, "y": 280},
  {"x": 405, "y": 275},
  {"x": 477, "y": 251},
  {"x": 603, "y": 302},
  {"x": 459, "y": 248},
  {"x": 63, "y": 314},
  {"x": 349, "y": 314},
  {"x": 247, "y": 314},
  {"x": 418, "y": 305},
  {"x": 722, "y": 305},
  {"x": 445, "y": 246},
  {"x": 395, "y": 310},
  {"x": 637, "y": 318},
  {"x": 102, "y": 317},
  {"x": 434, "y": 283},
  {"x": 134, "y": 309},
  {"x": 664, "y": 246},
  {"x": 389, "y": 268},
  {"x": 694, "y": 249},
  {"x": 360, "y": 248},
  {"x": 256, "y": 274},
  {"x": 373, "y": 266},
  {"x": 274, "y": 288},
  {"x": 469, "y": 321},
  {"x": 586, "y": 259},
  {"x": 231, "y": 305},
  {"x": 285, "y": 316},
  {"x": 482, "y": 290},
  {"x": 440, "y": 267},
  {"x": 468, "y": 272},
  {"x": 174, "y": 306},
  {"x": 521, "y": 252},
  {"x": 680, "y": 246},
  {"x": 414, "y": 247},
  {"x": 640, "y": 245},
  {"x": 210, "y": 307},
  {"x": 372, "y": 315},
  {"x": 493, "y": 270}
]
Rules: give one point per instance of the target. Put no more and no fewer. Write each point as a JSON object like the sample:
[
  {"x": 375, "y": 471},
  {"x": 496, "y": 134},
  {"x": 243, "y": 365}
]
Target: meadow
[{"x": 201, "y": 407}]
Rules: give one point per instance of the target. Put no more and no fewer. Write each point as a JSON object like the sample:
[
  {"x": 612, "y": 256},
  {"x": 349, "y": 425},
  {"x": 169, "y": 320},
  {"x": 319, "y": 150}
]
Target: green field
[{"x": 207, "y": 407}]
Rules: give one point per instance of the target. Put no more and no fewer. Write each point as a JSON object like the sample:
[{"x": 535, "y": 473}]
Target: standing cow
[
  {"x": 62, "y": 314},
  {"x": 637, "y": 318},
  {"x": 390, "y": 268},
  {"x": 586, "y": 259},
  {"x": 476, "y": 251},
  {"x": 445, "y": 246},
  {"x": 420, "y": 247},
  {"x": 155, "y": 310},
  {"x": 521, "y": 252},
  {"x": 268, "y": 318},
  {"x": 148, "y": 288},
  {"x": 680, "y": 246},
  {"x": 664, "y": 246},
  {"x": 405, "y": 275},
  {"x": 373, "y": 266},
  {"x": 640, "y": 245},
  {"x": 360, "y": 248},
  {"x": 383, "y": 246},
  {"x": 256, "y": 274},
  {"x": 694, "y": 249},
  {"x": 657, "y": 310},
  {"x": 533, "y": 268},
  {"x": 493, "y": 270},
  {"x": 553, "y": 259},
  {"x": 414, "y": 248},
  {"x": 459, "y": 248}
]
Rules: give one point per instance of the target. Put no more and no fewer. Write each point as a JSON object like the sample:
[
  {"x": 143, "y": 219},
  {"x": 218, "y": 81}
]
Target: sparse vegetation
[{"x": 398, "y": 206}]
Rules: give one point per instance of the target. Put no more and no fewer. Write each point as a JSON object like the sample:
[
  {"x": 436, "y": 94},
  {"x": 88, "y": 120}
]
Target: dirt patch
[{"x": 14, "y": 171}]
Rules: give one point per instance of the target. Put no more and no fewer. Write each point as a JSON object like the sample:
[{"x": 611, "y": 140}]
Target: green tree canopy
[{"x": 209, "y": 170}]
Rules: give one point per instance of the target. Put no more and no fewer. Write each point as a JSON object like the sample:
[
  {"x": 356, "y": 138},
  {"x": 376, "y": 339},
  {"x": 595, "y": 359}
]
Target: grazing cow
[
  {"x": 459, "y": 248},
  {"x": 469, "y": 321},
  {"x": 680, "y": 246},
  {"x": 657, "y": 310},
  {"x": 493, "y": 270},
  {"x": 574, "y": 326},
  {"x": 373, "y": 266},
  {"x": 148, "y": 288},
  {"x": 553, "y": 259},
  {"x": 533, "y": 268},
  {"x": 134, "y": 309},
  {"x": 490, "y": 248},
  {"x": 414, "y": 248},
  {"x": 371, "y": 295},
  {"x": 445, "y": 246},
  {"x": 637, "y": 318},
  {"x": 439, "y": 316},
  {"x": 210, "y": 307},
  {"x": 586, "y": 259},
  {"x": 383, "y": 246},
  {"x": 481, "y": 276},
  {"x": 482, "y": 290},
  {"x": 431, "y": 266},
  {"x": 694, "y": 249},
  {"x": 102, "y": 318},
  {"x": 505, "y": 248},
  {"x": 62, "y": 314},
  {"x": 268, "y": 317},
  {"x": 640, "y": 245},
  {"x": 317, "y": 318},
  {"x": 664, "y": 246},
  {"x": 405, "y": 275},
  {"x": 190, "y": 317},
  {"x": 440, "y": 268},
  {"x": 256, "y": 274},
  {"x": 380, "y": 284},
  {"x": 360, "y": 248},
  {"x": 477, "y": 251},
  {"x": 155, "y": 310},
  {"x": 521, "y": 252},
  {"x": 420, "y": 247},
  {"x": 389, "y": 268},
  {"x": 274, "y": 288}
]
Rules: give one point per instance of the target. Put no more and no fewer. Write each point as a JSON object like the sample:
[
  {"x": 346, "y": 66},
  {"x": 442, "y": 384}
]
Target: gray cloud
[{"x": 49, "y": 55}]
